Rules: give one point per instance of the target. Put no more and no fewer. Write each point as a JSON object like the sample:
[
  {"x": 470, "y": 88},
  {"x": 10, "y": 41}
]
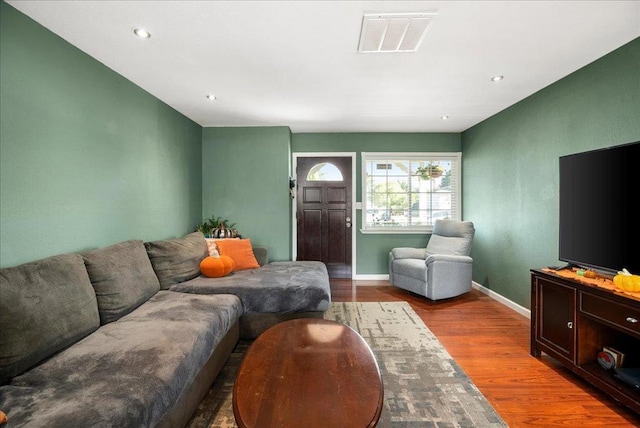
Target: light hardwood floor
[{"x": 491, "y": 344}]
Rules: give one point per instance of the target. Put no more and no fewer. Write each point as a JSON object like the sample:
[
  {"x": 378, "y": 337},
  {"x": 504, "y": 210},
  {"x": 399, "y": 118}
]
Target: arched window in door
[{"x": 324, "y": 171}]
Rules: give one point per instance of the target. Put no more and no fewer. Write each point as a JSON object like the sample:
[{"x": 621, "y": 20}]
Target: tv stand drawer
[{"x": 620, "y": 316}]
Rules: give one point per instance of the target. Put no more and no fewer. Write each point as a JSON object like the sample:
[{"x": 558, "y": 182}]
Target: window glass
[
  {"x": 324, "y": 171},
  {"x": 407, "y": 192}
]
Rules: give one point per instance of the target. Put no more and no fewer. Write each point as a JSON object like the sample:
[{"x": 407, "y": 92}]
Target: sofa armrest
[
  {"x": 262, "y": 255},
  {"x": 447, "y": 258},
  {"x": 408, "y": 253}
]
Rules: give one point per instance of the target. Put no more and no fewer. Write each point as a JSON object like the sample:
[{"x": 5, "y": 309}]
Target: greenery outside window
[{"x": 407, "y": 192}]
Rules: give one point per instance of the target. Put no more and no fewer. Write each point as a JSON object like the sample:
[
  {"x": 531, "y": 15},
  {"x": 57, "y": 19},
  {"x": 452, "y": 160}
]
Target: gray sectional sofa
[{"x": 131, "y": 335}]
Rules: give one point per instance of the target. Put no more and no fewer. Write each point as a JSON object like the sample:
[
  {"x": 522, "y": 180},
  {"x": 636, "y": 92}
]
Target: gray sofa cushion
[
  {"x": 122, "y": 277},
  {"x": 261, "y": 255},
  {"x": 276, "y": 287},
  {"x": 128, "y": 373},
  {"x": 177, "y": 260},
  {"x": 45, "y": 306}
]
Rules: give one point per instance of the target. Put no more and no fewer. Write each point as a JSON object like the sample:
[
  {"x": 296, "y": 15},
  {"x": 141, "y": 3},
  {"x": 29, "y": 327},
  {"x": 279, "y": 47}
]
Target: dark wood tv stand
[{"x": 572, "y": 318}]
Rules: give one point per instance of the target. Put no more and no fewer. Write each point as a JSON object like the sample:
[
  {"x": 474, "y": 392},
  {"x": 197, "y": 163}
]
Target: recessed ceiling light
[
  {"x": 211, "y": 97},
  {"x": 445, "y": 117},
  {"x": 142, "y": 33},
  {"x": 497, "y": 78}
]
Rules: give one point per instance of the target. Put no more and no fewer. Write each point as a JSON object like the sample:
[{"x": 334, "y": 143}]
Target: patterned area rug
[{"x": 423, "y": 385}]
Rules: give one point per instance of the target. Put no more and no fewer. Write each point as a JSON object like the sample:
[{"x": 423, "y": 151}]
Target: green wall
[
  {"x": 372, "y": 250},
  {"x": 87, "y": 158},
  {"x": 245, "y": 178},
  {"x": 510, "y": 165}
]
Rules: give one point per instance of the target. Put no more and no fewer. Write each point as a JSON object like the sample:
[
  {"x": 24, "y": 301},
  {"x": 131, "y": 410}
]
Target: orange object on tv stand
[{"x": 599, "y": 281}]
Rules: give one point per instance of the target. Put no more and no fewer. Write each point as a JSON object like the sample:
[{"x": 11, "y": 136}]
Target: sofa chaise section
[{"x": 270, "y": 294}]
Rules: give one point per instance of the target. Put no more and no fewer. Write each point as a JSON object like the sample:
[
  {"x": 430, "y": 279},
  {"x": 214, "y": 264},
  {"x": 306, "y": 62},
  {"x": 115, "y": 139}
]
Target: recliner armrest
[
  {"x": 409, "y": 253},
  {"x": 447, "y": 258}
]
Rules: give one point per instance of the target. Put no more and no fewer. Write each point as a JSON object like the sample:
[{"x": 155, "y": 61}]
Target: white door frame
[{"x": 294, "y": 205}]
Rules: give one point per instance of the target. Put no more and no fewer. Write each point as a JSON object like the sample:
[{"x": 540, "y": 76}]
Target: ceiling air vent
[{"x": 393, "y": 32}]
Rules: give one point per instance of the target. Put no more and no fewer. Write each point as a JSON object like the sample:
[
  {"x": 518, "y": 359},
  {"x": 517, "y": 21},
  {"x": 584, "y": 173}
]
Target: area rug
[{"x": 423, "y": 385}]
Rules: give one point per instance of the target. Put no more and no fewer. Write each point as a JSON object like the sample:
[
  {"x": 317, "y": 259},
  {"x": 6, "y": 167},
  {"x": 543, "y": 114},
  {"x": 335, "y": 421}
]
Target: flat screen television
[{"x": 599, "y": 219}]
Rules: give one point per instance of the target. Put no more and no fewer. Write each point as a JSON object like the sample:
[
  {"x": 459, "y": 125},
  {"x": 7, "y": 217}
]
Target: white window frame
[{"x": 456, "y": 177}]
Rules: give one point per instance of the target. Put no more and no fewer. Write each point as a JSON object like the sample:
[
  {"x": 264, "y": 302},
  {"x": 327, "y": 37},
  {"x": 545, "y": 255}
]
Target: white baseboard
[
  {"x": 371, "y": 277},
  {"x": 484, "y": 290},
  {"x": 501, "y": 299}
]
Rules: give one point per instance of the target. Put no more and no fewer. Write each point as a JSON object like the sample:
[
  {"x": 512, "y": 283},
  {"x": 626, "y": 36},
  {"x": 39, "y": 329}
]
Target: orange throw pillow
[
  {"x": 216, "y": 267},
  {"x": 241, "y": 251}
]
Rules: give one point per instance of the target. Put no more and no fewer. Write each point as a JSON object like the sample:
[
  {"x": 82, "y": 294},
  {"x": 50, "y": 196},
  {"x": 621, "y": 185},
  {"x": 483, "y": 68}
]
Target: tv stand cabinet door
[{"x": 554, "y": 328}]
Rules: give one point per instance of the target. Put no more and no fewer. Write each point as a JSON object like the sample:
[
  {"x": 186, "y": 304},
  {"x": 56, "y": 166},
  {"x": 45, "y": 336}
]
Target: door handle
[{"x": 348, "y": 219}]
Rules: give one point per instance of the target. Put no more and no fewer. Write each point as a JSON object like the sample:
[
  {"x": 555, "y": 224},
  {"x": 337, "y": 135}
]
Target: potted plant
[
  {"x": 216, "y": 227},
  {"x": 430, "y": 171}
]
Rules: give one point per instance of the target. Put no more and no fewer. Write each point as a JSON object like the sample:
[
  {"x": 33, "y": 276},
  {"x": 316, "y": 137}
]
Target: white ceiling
[{"x": 296, "y": 63}]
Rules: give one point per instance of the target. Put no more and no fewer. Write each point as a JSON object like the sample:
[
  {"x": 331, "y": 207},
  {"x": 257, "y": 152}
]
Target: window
[
  {"x": 407, "y": 192},
  {"x": 324, "y": 171}
]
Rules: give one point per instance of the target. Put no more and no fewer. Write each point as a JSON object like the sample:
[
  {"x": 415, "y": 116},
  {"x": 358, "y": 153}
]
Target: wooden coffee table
[{"x": 308, "y": 373}]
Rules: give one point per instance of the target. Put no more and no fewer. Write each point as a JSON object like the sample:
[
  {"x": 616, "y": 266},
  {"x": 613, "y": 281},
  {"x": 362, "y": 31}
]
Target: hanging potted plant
[{"x": 430, "y": 171}]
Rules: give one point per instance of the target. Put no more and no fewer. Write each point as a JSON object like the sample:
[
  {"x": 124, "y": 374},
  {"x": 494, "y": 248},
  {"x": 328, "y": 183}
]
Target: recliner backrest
[{"x": 452, "y": 237}]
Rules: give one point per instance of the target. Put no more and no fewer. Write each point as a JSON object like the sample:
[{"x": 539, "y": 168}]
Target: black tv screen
[{"x": 599, "y": 228}]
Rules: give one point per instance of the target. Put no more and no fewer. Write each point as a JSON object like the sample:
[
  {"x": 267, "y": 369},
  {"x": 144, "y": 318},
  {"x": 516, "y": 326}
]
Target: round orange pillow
[{"x": 216, "y": 267}]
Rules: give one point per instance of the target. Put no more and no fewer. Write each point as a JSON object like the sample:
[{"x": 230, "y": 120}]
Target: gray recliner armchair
[{"x": 440, "y": 271}]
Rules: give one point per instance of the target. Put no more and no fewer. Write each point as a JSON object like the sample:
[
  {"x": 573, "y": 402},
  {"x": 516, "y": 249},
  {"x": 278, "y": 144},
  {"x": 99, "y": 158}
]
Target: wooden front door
[{"x": 323, "y": 212}]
